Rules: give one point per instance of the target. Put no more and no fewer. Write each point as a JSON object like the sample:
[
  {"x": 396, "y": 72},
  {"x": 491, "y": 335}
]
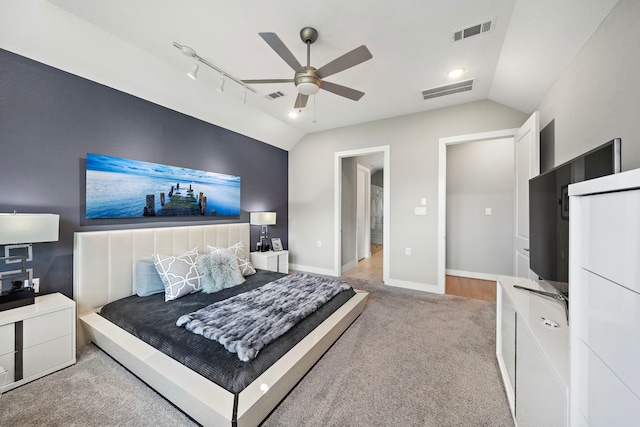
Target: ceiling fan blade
[
  {"x": 250, "y": 82},
  {"x": 276, "y": 44},
  {"x": 348, "y": 60},
  {"x": 347, "y": 92},
  {"x": 301, "y": 101}
]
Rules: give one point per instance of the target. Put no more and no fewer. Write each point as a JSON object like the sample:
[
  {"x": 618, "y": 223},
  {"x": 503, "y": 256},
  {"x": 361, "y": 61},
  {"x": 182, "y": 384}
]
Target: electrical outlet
[
  {"x": 487, "y": 211},
  {"x": 420, "y": 210},
  {"x": 36, "y": 285},
  {"x": 407, "y": 251},
  {"x": 319, "y": 243}
]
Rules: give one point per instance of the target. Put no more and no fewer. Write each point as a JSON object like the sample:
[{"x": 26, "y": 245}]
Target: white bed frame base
[{"x": 104, "y": 262}]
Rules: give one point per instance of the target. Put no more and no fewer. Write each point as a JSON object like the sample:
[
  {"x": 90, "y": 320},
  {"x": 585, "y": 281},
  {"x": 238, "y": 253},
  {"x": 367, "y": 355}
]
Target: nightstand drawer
[
  {"x": 41, "y": 358},
  {"x": 47, "y": 327},
  {"x": 7, "y": 339}
]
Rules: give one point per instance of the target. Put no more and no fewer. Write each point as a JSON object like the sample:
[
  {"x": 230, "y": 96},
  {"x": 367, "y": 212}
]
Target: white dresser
[
  {"x": 37, "y": 339},
  {"x": 532, "y": 347},
  {"x": 605, "y": 301}
]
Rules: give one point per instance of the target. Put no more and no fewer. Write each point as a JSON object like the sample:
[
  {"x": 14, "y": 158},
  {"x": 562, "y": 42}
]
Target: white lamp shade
[
  {"x": 262, "y": 218},
  {"x": 28, "y": 228}
]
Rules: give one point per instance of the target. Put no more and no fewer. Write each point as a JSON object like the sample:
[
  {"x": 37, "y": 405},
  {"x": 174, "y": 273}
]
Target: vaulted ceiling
[{"x": 529, "y": 44}]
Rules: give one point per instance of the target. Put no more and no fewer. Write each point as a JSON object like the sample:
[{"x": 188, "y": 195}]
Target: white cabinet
[
  {"x": 532, "y": 346},
  {"x": 605, "y": 300},
  {"x": 37, "y": 339},
  {"x": 271, "y": 260}
]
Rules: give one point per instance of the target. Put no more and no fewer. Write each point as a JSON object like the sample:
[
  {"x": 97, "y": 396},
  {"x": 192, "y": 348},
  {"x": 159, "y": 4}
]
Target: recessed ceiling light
[
  {"x": 293, "y": 115},
  {"x": 455, "y": 73}
]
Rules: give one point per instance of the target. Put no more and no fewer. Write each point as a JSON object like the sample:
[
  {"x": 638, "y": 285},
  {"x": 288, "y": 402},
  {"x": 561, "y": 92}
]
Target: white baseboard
[
  {"x": 472, "y": 275},
  {"x": 314, "y": 270},
  {"x": 425, "y": 287},
  {"x": 349, "y": 265}
]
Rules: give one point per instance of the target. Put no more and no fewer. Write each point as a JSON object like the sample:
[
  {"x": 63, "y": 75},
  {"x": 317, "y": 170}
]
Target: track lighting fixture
[
  {"x": 220, "y": 87},
  {"x": 187, "y": 51},
  {"x": 194, "y": 71}
]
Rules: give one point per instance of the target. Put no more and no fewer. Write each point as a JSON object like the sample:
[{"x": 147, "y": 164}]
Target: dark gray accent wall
[{"x": 50, "y": 120}]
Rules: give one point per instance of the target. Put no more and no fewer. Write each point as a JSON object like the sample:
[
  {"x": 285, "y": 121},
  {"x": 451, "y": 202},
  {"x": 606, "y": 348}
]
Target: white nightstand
[
  {"x": 37, "y": 339},
  {"x": 270, "y": 260}
]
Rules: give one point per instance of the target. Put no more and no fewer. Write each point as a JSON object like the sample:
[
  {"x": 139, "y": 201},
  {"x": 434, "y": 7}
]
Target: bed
[{"x": 104, "y": 272}]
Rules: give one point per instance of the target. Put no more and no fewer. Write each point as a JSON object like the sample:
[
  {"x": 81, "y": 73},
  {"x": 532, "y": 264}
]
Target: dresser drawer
[
  {"x": 611, "y": 233},
  {"x": 41, "y": 358},
  {"x": 38, "y": 330},
  {"x": 7, "y": 338},
  {"x": 610, "y": 326},
  {"x": 601, "y": 397}
]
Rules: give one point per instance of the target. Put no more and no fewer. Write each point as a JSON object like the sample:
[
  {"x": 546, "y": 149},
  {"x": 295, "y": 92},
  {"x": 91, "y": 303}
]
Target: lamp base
[{"x": 19, "y": 298}]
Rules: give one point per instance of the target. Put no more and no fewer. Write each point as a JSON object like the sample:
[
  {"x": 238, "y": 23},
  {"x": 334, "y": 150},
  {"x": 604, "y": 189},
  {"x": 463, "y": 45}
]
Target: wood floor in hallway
[
  {"x": 368, "y": 268},
  {"x": 371, "y": 269}
]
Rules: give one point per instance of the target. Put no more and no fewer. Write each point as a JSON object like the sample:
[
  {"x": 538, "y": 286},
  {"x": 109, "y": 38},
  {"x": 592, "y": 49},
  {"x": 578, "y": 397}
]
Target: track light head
[{"x": 194, "y": 71}]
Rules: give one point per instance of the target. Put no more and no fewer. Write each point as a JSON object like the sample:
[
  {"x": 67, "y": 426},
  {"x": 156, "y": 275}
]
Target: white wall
[
  {"x": 480, "y": 175},
  {"x": 598, "y": 97},
  {"x": 413, "y": 142}
]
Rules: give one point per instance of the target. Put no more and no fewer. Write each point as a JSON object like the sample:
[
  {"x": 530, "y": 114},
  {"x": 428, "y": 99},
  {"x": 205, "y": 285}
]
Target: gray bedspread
[{"x": 247, "y": 322}]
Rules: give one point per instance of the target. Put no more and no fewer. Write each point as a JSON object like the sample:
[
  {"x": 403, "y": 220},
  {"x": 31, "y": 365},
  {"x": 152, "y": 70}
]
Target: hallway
[{"x": 371, "y": 269}]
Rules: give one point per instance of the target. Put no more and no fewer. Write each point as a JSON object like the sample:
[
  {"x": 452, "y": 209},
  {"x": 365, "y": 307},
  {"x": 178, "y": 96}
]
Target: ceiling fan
[{"x": 308, "y": 79}]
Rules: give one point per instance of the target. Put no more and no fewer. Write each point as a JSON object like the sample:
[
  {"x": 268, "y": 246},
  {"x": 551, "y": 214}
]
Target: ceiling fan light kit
[{"x": 309, "y": 80}]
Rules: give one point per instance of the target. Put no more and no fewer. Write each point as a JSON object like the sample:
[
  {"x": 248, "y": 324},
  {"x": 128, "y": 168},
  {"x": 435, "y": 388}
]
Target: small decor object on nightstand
[{"x": 276, "y": 244}]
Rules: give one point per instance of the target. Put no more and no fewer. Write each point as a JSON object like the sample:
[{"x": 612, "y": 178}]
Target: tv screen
[{"x": 549, "y": 214}]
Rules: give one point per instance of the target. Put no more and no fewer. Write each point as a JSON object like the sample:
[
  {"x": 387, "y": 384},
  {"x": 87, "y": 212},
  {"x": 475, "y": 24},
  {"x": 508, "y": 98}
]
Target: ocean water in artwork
[{"x": 121, "y": 188}]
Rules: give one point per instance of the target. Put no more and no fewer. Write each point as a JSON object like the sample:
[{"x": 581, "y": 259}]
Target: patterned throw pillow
[
  {"x": 246, "y": 268},
  {"x": 179, "y": 274},
  {"x": 218, "y": 271}
]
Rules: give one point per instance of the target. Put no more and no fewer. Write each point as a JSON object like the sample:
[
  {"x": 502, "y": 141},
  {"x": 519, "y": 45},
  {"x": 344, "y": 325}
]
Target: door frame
[
  {"x": 442, "y": 190},
  {"x": 366, "y": 172},
  {"x": 337, "y": 205}
]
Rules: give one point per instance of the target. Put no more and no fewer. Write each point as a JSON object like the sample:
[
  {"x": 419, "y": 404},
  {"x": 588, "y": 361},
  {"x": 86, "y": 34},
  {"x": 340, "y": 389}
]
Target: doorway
[
  {"x": 349, "y": 229},
  {"x": 527, "y": 162},
  {"x": 442, "y": 191}
]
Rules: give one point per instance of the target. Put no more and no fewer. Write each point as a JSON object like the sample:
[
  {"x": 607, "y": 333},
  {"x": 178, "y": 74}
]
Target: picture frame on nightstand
[{"x": 276, "y": 244}]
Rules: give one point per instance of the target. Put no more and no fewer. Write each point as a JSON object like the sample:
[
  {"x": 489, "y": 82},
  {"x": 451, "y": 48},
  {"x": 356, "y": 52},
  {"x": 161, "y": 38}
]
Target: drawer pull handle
[{"x": 552, "y": 324}]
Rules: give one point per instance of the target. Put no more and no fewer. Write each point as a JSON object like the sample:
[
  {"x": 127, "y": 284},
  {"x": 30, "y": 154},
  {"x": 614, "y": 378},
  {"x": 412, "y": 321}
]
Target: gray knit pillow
[{"x": 219, "y": 270}]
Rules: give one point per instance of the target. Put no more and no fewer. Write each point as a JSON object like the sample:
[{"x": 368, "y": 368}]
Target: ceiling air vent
[
  {"x": 448, "y": 89},
  {"x": 275, "y": 95},
  {"x": 474, "y": 30}
]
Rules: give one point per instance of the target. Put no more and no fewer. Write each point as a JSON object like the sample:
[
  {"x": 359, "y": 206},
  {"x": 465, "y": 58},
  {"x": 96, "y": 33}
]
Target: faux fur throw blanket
[{"x": 247, "y": 322}]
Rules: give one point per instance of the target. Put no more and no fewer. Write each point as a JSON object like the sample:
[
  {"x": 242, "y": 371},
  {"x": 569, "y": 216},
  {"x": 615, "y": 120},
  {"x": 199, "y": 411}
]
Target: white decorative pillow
[
  {"x": 179, "y": 274},
  {"x": 219, "y": 270},
  {"x": 246, "y": 268}
]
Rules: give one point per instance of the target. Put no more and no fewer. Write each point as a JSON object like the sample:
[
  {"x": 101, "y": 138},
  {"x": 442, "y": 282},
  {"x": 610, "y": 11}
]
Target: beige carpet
[{"x": 410, "y": 359}]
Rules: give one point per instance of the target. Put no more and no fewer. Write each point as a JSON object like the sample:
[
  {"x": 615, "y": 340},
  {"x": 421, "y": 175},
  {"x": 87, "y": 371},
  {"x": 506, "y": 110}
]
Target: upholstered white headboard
[{"x": 104, "y": 261}]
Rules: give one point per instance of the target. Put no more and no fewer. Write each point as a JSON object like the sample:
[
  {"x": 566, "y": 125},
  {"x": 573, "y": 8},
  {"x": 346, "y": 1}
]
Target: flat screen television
[{"x": 549, "y": 214}]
